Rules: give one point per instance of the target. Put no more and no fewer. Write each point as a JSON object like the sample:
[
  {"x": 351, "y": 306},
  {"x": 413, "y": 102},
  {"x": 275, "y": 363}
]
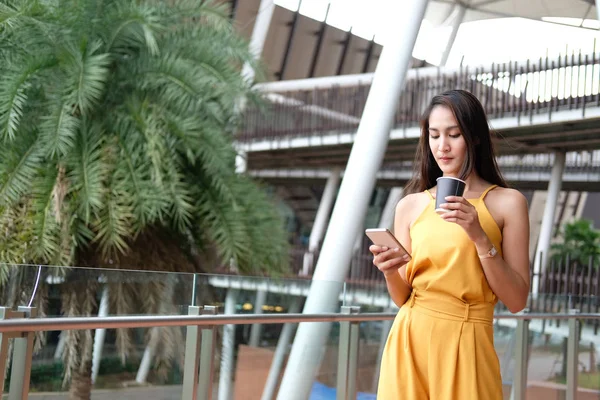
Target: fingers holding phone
[
  {"x": 388, "y": 254},
  {"x": 389, "y": 260}
]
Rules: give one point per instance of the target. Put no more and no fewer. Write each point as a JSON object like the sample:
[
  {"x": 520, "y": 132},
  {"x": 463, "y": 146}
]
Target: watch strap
[{"x": 490, "y": 253}]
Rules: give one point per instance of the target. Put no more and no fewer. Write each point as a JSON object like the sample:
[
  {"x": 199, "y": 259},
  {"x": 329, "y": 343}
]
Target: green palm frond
[
  {"x": 13, "y": 15},
  {"x": 18, "y": 167},
  {"x": 265, "y": 229},
  {"x": 12, "y": 99},
  {"x": 17, "y": 233},
  {"x": 219, "y": 218},
  {"x": 188, "y": 12},
  {"x": 117, "y": 120},
  {"x": 170, "y": 79},
  {"x": 182, "y": 203},
  {"x": 114, "y": 223},
  {"x": 149, "y": 203},
  {"x": 88, "y": 172},
  {"x": 133, "y": 26},
  {"x": 58, "y": 130},
  {"x": 88, "y": 70},
  {"x": 46, "y": 245}
]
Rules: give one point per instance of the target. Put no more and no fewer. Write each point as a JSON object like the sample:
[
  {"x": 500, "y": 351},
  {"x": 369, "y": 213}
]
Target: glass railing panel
[
  {"x": 373, "y": 336},
  {"x": 242, "y": 358},
  {"x": 76, "y": 291},
  {"x": 548, "y": 361},
  {"x": 149, "y": 293},
  {"x": 260, "y": 359},
  {"x": 504, "y": 342},
  {"x": 115, "y": 377}
]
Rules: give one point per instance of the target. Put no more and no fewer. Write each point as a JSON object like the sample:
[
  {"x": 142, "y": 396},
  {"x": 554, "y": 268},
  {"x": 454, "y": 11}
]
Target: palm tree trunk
[
  {"x": 79, "y": 300},
  {"x": 81, "y": 382}
]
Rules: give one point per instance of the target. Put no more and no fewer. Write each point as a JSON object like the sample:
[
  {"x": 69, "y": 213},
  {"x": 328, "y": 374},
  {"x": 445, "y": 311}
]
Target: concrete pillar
[
  {"x": 543, "y": 247},
  {"x": 227, "y": 351},
  {"x": 145, "y": 364},
  {"x": 241, "y": 160},
  {"x": 458, "y": 19},
  {"x": 259, "y": 34},
  {"x": 321, "y": 219},
  {"x": 257, "y": 43},
  {"x": 99, "y": 335},
  {"x": 353, "y": 199},
  {"x": 255, "y": 331},
  {"x": 280, "y": 353},
  {"x": 60, "y": 347}
]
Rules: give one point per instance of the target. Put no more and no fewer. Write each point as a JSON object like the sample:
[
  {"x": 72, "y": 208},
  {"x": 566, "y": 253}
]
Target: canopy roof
[
  {"x": 299, "y": 47},
  {"x": 438, "y": 10}
]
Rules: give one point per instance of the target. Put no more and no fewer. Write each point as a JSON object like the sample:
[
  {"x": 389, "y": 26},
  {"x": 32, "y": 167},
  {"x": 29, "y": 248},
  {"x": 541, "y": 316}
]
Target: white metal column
[
  {"x": 598, "y": 9},
  {"x": 257, "y": 43},
  {"x": 353, "y": 198},
  {"x": 458, "y": 19},
  {"x": 389, "y": 210},
  {"x": 280, "y": 353},
  {"x": 256, "y": 330},
  {"x": 60, "y": 347},
  {"x": 322, "y": 218},
  {"x": 227, "y": 350},
  {"x": 99, "y": 335},
  {"x": 145, "y": 363},
  {"x": 543, "y": 247},
  {"x": 259, "y": 34}
]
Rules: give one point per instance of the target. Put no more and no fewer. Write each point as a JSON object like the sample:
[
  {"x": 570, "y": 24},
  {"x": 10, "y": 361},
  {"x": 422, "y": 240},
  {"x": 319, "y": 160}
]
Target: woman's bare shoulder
[
  {"x": 413, "y": 199},
  {"x": 508, "y": 201},
  {"x": 511, "y": 196},
  {"x": 411, "y": 205}
]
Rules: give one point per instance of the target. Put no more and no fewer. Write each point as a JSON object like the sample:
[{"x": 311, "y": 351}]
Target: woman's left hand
[{"x": 464, "y": 214}]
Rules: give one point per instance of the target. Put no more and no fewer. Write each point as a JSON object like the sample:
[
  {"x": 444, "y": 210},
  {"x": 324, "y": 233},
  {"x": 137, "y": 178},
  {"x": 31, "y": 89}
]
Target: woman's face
[{"x": 446, "y": 141}]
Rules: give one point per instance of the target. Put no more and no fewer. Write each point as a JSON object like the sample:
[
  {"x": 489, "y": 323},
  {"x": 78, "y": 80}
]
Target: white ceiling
[{"x": 439, "y": 10}]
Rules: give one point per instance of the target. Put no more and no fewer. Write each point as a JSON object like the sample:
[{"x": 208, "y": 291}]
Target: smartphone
[{"x": 383, "y": 237}]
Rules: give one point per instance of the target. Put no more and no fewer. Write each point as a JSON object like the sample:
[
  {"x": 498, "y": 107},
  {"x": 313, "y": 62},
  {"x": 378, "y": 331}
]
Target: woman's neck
[{"x": 472, "y": 183}]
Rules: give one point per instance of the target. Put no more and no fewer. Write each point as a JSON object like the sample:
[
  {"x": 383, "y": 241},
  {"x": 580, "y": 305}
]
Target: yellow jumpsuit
[{"x": 441, "y": 345}]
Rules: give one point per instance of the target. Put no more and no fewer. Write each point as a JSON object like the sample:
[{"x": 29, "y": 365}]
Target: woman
[{"x": 441, "y": 346}]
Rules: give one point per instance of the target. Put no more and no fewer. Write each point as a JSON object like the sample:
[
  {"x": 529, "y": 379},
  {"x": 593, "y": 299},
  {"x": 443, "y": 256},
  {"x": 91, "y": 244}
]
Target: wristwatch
[{"x": 490, "y": 253}]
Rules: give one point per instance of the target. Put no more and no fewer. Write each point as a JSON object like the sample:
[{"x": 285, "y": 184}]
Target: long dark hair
[{"x": 473, "y": 123}]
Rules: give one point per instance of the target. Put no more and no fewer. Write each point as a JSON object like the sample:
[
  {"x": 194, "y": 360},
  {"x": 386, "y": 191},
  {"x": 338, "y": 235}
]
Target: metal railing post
[
  {"x": 348, "y": 356},
  {"x": 5, "y": 313},
  {"x": 21, "y": 360},
  {"x": 192, "y": 358},
  {"x": 572, "y": 356},
  {"x": 519, "y": 387},
  {"x": 207, "y": 356}
]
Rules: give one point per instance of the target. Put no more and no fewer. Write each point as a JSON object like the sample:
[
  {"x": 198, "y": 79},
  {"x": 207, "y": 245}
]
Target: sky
[{"x": 477, "y": 43}]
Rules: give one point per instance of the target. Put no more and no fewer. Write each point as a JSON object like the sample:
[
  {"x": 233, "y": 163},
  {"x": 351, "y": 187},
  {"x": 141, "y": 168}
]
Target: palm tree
[{"x": 116, "y": 122}]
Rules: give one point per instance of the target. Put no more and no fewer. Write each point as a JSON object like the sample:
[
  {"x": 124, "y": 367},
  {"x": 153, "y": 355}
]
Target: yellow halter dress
[{"x": 441, "y": 344}]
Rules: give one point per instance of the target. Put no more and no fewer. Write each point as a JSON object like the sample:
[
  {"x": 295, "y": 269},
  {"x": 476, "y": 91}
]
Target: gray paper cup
[{"x": 447, "y": 186}]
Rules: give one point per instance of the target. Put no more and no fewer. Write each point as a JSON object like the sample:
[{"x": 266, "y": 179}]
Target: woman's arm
[
  {"x": 390, "y": 262},
  {"x": 397, "y": 287},
  {"x": 508, "y": 276}
]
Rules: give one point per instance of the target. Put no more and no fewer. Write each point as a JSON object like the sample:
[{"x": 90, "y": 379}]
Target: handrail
[{"x": 147, "y": 321}]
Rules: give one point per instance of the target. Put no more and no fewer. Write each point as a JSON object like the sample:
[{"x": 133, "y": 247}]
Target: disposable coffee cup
[{"x": 447, "y": 186}]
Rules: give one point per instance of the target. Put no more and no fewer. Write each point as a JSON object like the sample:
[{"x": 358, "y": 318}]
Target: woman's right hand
[{"x": 388, "y": 260}]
